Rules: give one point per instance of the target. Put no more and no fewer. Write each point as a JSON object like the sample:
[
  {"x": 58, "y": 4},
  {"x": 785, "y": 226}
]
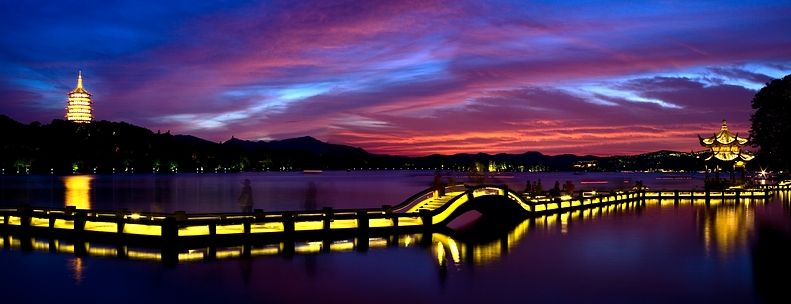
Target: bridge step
[{"x": 433, "y": 204}]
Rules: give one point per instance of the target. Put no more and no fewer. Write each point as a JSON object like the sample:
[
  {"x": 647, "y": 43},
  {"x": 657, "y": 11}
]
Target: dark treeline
[{"x": 103, "y": 146}]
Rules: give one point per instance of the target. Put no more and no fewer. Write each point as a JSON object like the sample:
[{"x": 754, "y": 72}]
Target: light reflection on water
[
  {"x": 76, "y": 267},
  {"x": 78, "y": 191},
  {"x": 726, "y": 229}
]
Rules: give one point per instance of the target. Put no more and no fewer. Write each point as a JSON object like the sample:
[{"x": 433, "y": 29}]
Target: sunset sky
[{"x": 403, "y": 77}]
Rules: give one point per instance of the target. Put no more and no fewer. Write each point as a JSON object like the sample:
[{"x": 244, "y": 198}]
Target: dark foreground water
[{"x": 724, "y": 252}]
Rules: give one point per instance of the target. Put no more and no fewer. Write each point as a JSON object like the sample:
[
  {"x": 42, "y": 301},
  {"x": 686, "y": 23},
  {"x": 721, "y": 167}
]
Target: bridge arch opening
[
  {"x": 465, "y": 220},
  {"x": 491, "y": 207}
]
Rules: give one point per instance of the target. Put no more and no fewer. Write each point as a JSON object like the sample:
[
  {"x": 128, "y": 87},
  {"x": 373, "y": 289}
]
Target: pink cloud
[{"x": 447, "y": 77}]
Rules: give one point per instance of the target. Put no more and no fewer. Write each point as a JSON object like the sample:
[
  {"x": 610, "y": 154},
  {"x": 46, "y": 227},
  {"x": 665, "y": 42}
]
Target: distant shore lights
[{"x": 78, "y": 108}]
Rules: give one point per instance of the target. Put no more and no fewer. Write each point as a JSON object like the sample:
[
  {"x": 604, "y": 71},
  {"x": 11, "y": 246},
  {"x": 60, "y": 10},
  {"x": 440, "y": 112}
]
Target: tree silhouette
[{"x": 771, "y": 123}]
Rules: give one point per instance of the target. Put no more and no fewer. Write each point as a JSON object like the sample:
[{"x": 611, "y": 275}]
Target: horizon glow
[{"x": 404, "y": 78}]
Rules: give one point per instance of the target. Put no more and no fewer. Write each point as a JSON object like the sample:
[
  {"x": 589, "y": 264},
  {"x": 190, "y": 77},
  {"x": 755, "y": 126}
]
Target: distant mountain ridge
[
  {"x": 104, "y": 146},
  {"x": 304, "y": 143}
]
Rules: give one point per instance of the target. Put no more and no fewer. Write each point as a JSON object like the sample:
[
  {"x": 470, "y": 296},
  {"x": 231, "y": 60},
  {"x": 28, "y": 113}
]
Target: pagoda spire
[{"x": 79, "y": 79}]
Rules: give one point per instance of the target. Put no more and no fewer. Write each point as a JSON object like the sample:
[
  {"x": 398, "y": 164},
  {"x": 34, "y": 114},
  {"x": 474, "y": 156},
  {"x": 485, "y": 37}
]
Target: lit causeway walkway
[{"x": 423, "y": 212}]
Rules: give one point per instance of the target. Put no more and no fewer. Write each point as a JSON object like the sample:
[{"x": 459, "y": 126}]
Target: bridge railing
[
  {"x": 530, "y": 205},
  {"x": 180, "y": 224},
  {"x": 151, "y": 223},
  {"x": 780, "y": 186},
  {"x": 602, "y": 198}
]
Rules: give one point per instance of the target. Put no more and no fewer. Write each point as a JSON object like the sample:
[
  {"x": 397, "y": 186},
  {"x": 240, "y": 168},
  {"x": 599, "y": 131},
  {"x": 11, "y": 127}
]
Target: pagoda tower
[
  {"x": 79, "y": 107},
  {"x": 726, "y": 150}
]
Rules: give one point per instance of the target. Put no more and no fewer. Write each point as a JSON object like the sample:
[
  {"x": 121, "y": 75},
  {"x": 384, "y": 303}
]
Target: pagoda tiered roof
[{"x": 78, "y": 106}]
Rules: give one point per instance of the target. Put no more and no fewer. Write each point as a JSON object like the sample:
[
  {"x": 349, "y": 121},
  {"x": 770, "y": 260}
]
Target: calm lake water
[
  {"x": 724, "y": 252},
  {"x": 281, "y": 191}
]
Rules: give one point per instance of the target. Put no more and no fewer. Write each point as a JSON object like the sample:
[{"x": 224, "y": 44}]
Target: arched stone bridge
[{"x": 441, "y": 207}]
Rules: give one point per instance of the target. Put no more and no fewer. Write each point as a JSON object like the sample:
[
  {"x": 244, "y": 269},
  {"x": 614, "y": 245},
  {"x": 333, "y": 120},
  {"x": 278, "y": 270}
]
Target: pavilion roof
[
  {"x": 724, "y": 137},
  {"x": 726, "y": 146}
]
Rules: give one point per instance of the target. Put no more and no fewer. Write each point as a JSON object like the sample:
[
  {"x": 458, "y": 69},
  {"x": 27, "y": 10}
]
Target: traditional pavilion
[
  {"x": 79, "y": 107},
  {"x": 726, "y": 150}
]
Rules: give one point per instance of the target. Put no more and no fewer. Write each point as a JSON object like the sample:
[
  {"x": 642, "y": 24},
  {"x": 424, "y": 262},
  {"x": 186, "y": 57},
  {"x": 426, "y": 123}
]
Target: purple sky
[{"x": 403, "y": 77}]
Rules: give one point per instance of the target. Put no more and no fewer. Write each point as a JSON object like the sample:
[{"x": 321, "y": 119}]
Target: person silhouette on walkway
[
  {"x": 555, "y": 192},
  {"x": 246, "y": 198}
]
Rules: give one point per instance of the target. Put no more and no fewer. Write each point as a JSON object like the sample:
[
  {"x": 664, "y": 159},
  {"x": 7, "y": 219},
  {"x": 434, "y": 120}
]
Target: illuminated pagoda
[
  {"x": 726, "y": 150},
  {"x": 78, "y": 108}
]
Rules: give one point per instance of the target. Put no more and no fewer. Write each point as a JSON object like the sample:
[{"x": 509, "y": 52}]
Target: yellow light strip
[
  {"x": 267, "y": 227},
  {"x": 14, "y": 220},
  {"x": 341, "y": 246},
  {"x": 343, "y": 224},
  {"x": 377, "y": 243},
  {"x": 380, "y": 223},
  {"x": 440, "y": 250},
  {"x": 191, "y": 256},
  {"x": 450, "y": 209},
  {"x": 310, "y": 225},
  {"x": 265, "y": 251},
  {"x": 228, "y": 253},
  {"x": 194, "y": 230},
  {"x": 142, "y": 229},
  {"x": 65, "y": 248},
  {"x": 40, "y": 245},
  {"x": 101, "y": 226},
  {"x": 309, "y": 247},
  {"x": 144, "y": 255},
  {"x": 64, "y": 224},
  {"x": 103, "y": 252},
  {"x": 230, "y": 229}
]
